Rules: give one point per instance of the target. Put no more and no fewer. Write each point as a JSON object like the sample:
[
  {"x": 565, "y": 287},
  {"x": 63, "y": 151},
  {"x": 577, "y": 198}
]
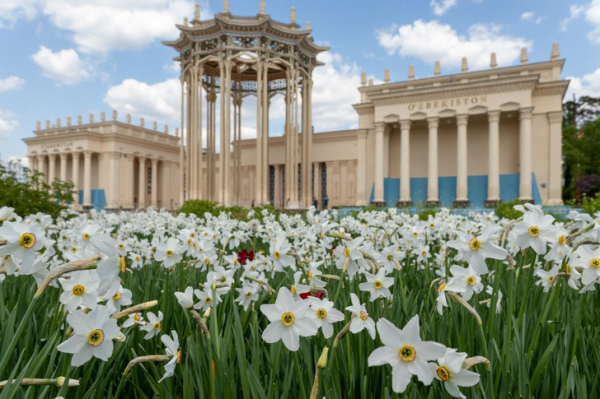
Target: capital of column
[
  {"x": 493, "y": 116},
  {"x": 87, "y": 153},
  {"x": 52, "y": 157},
  {"x": 462, "y": 119},
  {"x": 113, "y": 155},
  {"x": 361, "y": 134},
  {"x": 75, "y": 154},
  {"x": 555, "y": 117},
  {"x": 154, "y": 161},
  {"x": 379, "y": 127},
  {"x": 64, "y": 155},
  {"x": 433, "y": 122},
  {"x": 405, "y": 124},
  {"x": 526, "y": 113}
]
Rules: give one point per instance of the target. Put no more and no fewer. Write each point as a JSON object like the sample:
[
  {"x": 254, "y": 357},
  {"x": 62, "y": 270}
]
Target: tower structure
[{"x": 229, "y": 58}]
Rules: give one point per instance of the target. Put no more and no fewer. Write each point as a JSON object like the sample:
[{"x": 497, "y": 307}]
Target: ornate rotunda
[{"x": 230, "y": 58}]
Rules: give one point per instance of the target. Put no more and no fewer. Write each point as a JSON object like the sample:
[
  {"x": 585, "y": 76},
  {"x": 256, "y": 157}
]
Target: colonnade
[
  {"x": 47, "y": 165},
  {"x": 493, "y": 194}
]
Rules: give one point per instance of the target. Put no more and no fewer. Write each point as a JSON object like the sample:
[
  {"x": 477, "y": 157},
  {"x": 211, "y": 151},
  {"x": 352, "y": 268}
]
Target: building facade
[{"x": 474, "y": 138}]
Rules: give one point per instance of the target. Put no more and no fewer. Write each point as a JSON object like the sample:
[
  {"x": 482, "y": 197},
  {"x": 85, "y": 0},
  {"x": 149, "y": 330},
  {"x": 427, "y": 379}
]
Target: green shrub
[
  {"x": 424, "y": 215},
  {"x": 28, "y": 194},
  {"x": 507, "y": 210},
  {"x": 591, "y": 205},
  {"x": 199, "y": 207}
]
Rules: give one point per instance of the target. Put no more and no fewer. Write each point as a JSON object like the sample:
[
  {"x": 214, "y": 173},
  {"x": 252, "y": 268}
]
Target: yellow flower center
[
  {"x": 321, "y": 313},
  {"x": 86, "y": 236},
  {"x": 443, "y": 373},
  {"x": 190, "y": 241},
  {"x": 276, "y": 254},
  {"x": 551, "y": 278},
  {"x": 562, "y": 240},
  {"x": 407, "y": 353},
  {"x": 96, "y": 337},
  {"x": 121, "y": 246},
  {"x": 471, "y": 280},
  {"x": 310, "y": 274},
  {"x": 137, "y": 317},
  {"x": 169, "y": 253},
  {"x": 595, "y": 263},
  {"x": 288, "y": 319},
  {"x": 248, "y": 294},
  {"x": 28, "y": 240},
  {"x": 377, "y": 284},
  {"x": 415, "y": 234},
  {"x": 74, "y": 249},
  {"x": 192, "y": 235},
  {"x": 122, "y": 264},
  {"x": 293, "y": 289},
  {"x": 207, "y": 299},
  {"x": 347, "y": 252},
  {"x": 117, "y": 296},
  {"x": 363, "y": 316},
  {"x": 441, "y": 287},
  {"x": 157, "y": 326},
  {"x": 137, "y": 258},
  {"x": 567, "y": 268},
  {"x": 78, "y": 290},
  {"x": 534, "y": 231},
  {"x": 474, "y": 244}
]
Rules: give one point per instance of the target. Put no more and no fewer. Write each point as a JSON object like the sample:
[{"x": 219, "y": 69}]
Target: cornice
[
  {"x": 460, "y": 90},
  {"x": 364, "y": 108},
  {"x": 551, "y": 89}
]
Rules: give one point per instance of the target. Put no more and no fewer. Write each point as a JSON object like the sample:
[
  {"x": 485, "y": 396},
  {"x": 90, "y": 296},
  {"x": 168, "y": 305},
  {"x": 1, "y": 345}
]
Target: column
[
  {"x": 42, "y": 167},
  {"x": 432, "y": 169},
  {"x": 142, "y": 183},
  {"x": 224, "y": 173},
  {"x": 129, "y": 197},
  {"x": 32, "y": 164},
  {"x": 113, "y": 182},
  {"x": 181, "y": 153},
  {"x": 555, "y": 159},
  {"x": 154, "y": 183},
  {"x": 462, "y": 196},
  {"x": 265, "y": 134},
  {"x": 198, "y": 132},
  {"x": 87, "y": 179},
  {"x": 210, "y": 169},
  {"x": 405, "y": 198},
  {"x": 493, "y": 197},
  {"x": 525, "y": 193},
  {"x": 258, "y": 175},
  {"x": 317, "y": 183},
  {"x": 378, "y": 198},
  {"x": 75, "y": 177},
  {"x": 64, "y": 157},
  {"x": 51, "y": 168},
  {"x": 362, "y": 194}
]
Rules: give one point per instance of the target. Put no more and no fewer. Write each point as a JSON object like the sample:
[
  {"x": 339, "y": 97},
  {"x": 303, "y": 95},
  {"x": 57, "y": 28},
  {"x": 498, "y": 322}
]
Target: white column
[
  {"x": 432, "y": 169},
  {"x": 64, "y": 157},
  {"x": 87, "y": 179},
  {"x": 41, "y": 165},
  {"x": 493, "y": 158},
  {"x": 32, "y": 164},
  {"x": 154, "y": 183},
  {"x": 362, "y": 194},
  {"x": 130, "y": 171},
  {"x": 525, "y": 193},
  {"x": 75, "y": 177},
  {"x": 258, "y": 175},
  {"x": 461, "y": 160},
  {"x": 142, "y": 183},
  {"x": 51, "y": 168},
  {"x": 113, "y": 182},
  {"x": 555, "y": 159},
  {"x": 265, "y": 135},
  {"x": 405, "y": 162},
  {"x": 378, "y": 197}
]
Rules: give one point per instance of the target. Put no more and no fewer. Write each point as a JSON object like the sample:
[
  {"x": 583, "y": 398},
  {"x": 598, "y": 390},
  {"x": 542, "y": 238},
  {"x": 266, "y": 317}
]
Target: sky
[{"x": 63, "y": 58}]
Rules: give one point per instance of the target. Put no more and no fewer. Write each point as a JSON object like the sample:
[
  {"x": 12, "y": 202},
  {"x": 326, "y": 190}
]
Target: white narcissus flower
[
  {"x": 322, "y": 313},
  {"x": 153, "y": 326},
  {"x": 169, "y": 253},
  {"x": 348, "y": 256},
  {"x": 590, "y": 262},
  {"x": 134, "y": 319},
  {"x": 5, "y": 213},
  {"x": 93, "y": 335},
  {"x": 186, "y": 298},
  {"x": 406, "y": 353},
  {"x": 248, "y": 294},
  {"x": 475, "y": 250},
  {"x": 451, "y": 286},
  {"x": 362, "y": 319},
  {"x": 80, "y": 289},
  {"x": 206, "y": 298},
  {"x": 297, "y": 289},
  {"x": 449, "y": 370},
  {"x": 468, "y": 279},
  {"x": 279, "y": 249},
  {"x": 288, "y": 320},
  {"x": 118, "y": 298},
  {"x": 136, "y": 261},
  {"x": 172, "y": 350},
  {"x": 23, "y": 241},
  {"x": 534, "y": 231},
  {"x": 546, "y": 277},
  {"x": 377, "y": 284}
]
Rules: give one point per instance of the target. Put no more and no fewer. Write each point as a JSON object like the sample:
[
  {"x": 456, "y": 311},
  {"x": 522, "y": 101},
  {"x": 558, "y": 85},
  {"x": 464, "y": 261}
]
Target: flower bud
[
  {"x": 72, "y": 382},
  {"x": 322, "y": 363}
]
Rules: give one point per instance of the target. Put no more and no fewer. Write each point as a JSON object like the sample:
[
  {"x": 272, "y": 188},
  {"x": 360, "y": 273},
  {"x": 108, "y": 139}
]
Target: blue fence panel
[
  {"x": 509, "y": 187},
  {"x": 478, "y": 188},
  {"x": 98, "y": 199},
  {"x": 447, "y": 190},
  {"x": 418, "y": 190},
  {"x": 391, "y": 191}
]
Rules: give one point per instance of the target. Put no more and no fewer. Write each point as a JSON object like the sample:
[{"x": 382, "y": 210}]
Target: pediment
[
  {"x": 417, "y": 116},
  {"x": 510, "y": 106},
  {"x": 478, "y": 109},
  {"x": 391, "y": 118}
]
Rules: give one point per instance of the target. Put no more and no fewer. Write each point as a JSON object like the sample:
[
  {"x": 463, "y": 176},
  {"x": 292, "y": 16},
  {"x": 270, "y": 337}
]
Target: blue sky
[{"x": 74, "y": 57}]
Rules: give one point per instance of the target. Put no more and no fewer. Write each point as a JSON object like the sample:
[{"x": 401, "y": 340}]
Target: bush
[
  {"x": 591, "y": 205},
  {"x": 506, "y": 210},
  {"x": 587, "y": 185},
  {"x": 25, "y": 191},
  {"x": 199, "y": 207},
  {"x": 424, "y": 215}
]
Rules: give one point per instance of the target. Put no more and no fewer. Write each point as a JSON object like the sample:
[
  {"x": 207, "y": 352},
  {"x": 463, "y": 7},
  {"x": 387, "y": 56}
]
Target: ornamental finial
[
  {"x": 197, "y": 12},
  {"x": 225, "y": 5},
  {"x": 524, "y": 57},
  {"x": 308, "y": 25},
  {"x": 363, "y": 78},
  {"x": 263, "y": 8},
  {"x": 493, "y": 61},
  {"x": 465, "y": 65},
  {"x": 293, "y": 16},
  {"x": 437, "y": 71},
  {"x": 555, "y": 52},
  {"x": 386, "y": 75},
  {"x": 411, "y": 72}
]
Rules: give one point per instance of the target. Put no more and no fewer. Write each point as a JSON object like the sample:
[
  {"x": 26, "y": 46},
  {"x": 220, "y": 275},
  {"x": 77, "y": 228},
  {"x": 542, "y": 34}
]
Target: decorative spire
[
  {"x": 47, "y": 124},
  {"x": 225, "y": 5},
  {"x": 524, "y": 58},
  {"x": 57, "y": 122},
  {"x": 493, "y": 62},
  {"x": 308, "y": 25},
  {"x": 437, "y": 71},
  {"x": 141, "y": 122},
  {"x": 79, "y": 121},
  {"x": 68, "y": 121},
  {"x": 411, "y": 72},
  {"x": 371, "y": 82},
  {"x": 38, "y": 125},
  {"x": 197, "y": 12},
  {"x": 166, "y": 129},
  {"x": 103, "y": 116},
  {"x": 386, "y": 75},
  {"x": 465, "y": 66},
  {"x": 363, "y": 78},
  {"x": 91, "y": 118},
  {"x": 263, "y": 7},
  {"x": 293, "y": 15},
  {"x": 114, "y": 114},
  {"x": 128, "y": 119},
  {"x": 555, "y": 52},
  {"x": 185, "y": 21}
]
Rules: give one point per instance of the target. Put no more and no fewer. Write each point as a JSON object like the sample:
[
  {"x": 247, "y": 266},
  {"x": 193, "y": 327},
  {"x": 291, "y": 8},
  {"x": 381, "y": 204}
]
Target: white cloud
[
  {"x": 575, "y": 11},
  {"x": 8, "y": 123},
  {"x": 530, "y": 16},
  {"x": 159, "y": 101},
  {"x": 441, "y": 6},
  {"x": 11, "y": 83},
  {"x": 588, "y": 85},
  {"x": 12, "y": 10},
  {"x": 592, "y": 15},
  {"x": 433, "y": 41},
  {"x": 64, "y": 65}
]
